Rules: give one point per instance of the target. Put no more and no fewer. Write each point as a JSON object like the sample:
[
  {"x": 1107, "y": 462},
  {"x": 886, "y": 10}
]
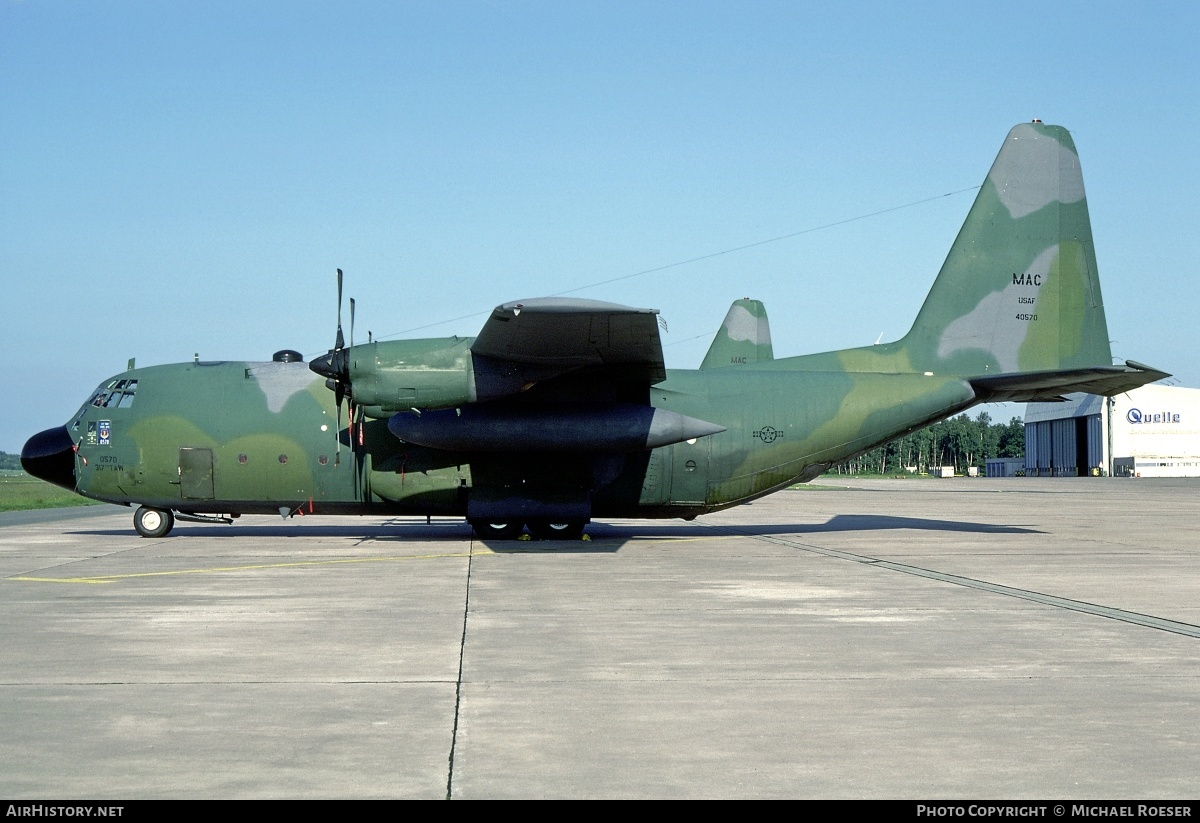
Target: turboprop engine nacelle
[{"x": 398, "y": 375}]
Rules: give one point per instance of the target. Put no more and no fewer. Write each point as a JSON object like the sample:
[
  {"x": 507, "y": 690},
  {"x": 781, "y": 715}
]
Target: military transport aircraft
[{"x": 561, "y": 410}]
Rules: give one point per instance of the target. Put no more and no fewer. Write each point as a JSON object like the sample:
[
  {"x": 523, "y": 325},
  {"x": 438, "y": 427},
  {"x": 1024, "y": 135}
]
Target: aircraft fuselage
[{"x": 245, "y": 438}]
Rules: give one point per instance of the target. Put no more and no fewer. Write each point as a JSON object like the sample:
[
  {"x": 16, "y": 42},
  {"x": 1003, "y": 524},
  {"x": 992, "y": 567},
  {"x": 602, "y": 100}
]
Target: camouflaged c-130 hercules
[{"x": 561, "y": 410}]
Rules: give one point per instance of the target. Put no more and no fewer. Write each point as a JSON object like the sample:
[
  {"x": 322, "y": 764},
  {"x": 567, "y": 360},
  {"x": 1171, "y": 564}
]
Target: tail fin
[
  {"x": 1019, "y": 292},
  {"x": 744, "y": 337}
]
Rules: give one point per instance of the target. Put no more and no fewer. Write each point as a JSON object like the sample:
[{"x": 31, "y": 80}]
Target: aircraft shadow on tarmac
[{"x": 604, "y": 537}]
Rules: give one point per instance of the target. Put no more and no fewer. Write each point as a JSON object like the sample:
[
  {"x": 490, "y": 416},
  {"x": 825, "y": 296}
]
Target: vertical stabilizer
[
  {"x": 1019, "y": 291},
  {"x": 744, "y": 337}
]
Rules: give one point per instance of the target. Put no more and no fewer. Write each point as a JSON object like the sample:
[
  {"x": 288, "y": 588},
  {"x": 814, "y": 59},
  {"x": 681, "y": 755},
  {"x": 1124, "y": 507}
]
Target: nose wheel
[{"x": 153, "y": 522}]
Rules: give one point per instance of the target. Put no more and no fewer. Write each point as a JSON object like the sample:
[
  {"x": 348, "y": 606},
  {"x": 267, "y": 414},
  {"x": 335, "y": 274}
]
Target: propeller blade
[
  {"x": 340, "y": 341},
  {"x": 335, "y": 366},
  {"x": 337, "y": 432},
  {"x": 339, "y": 387}
]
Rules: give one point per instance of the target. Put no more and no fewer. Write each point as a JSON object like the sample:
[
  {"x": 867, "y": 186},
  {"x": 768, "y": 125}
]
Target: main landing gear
[
  {"x": 538, "y": 529},
  {"x": 153, "y": 522}
]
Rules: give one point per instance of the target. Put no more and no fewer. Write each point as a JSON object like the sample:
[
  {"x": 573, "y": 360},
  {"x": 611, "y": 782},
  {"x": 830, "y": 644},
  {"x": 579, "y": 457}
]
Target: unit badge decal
[{"x": 104, "y": 429}]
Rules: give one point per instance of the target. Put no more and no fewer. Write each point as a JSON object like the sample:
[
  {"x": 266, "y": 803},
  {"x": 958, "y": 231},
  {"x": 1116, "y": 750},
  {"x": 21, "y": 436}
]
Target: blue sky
[{"x": 181, "y": 178}]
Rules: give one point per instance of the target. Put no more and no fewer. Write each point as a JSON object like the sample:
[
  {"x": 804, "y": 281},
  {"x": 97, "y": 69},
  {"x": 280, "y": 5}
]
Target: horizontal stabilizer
[{"x": 1051, "y": 385}]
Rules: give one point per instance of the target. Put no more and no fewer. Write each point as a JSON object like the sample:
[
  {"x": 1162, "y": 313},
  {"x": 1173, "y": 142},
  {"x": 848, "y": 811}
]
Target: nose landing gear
[{"x": 153, "y": 522}]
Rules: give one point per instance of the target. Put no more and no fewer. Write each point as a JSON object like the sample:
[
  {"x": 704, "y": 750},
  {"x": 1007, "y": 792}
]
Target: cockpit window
[{"x": 116, "y": 394}]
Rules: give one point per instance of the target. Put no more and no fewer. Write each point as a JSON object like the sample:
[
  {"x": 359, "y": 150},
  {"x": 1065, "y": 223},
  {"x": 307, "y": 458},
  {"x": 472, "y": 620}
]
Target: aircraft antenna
[{"x": 698, "y": 259}]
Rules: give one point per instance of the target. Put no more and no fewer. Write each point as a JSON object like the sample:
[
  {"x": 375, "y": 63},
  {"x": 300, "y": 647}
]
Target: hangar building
[{"x": 1152, "y": 431}]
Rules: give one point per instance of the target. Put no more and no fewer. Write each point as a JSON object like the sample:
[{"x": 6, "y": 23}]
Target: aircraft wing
[
  {"x": 1052, "y": 385},
  {"x": 528, "y": 341}
]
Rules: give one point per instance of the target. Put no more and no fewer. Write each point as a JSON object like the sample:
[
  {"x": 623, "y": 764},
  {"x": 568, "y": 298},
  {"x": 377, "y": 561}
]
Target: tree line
[{"x": 959, "y": 442}]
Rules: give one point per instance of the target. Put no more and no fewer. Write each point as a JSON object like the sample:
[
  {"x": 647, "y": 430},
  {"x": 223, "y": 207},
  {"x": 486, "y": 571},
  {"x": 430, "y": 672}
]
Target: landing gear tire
[
  {"x": 153, "y": 522},
  {"x": 569, "y": 530},
  {"x": 509, "y": 530}
]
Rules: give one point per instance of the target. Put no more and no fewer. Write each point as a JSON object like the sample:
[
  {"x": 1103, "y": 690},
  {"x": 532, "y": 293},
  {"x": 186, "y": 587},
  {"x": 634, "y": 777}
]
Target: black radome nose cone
[{"x": 50, "y": 456}]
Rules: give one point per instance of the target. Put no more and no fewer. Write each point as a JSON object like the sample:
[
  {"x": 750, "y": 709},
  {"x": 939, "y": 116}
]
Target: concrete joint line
[{"x": 462, "y": 650}]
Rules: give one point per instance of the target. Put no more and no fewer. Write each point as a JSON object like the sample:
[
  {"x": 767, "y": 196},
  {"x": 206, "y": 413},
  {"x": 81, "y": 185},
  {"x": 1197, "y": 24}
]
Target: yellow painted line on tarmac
[{"x": 113, "y": 578}]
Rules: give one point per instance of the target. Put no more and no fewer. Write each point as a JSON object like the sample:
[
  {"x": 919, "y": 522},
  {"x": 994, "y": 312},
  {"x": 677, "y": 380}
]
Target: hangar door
[{"x": 1070, "y": 447}]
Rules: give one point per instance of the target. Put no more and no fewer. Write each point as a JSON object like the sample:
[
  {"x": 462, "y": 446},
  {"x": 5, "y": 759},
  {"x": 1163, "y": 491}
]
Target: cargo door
[{"x": 196, "y": 474}]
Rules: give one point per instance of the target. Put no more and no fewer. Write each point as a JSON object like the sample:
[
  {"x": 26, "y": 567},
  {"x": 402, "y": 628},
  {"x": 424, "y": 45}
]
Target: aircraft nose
[{"x": 50, "y": 456}]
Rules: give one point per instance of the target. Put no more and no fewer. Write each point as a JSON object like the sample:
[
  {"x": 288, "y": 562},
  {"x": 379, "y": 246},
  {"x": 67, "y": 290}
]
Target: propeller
[
  {"x": 353, "y": 439},
  {"x": 335, "y": 366}
]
